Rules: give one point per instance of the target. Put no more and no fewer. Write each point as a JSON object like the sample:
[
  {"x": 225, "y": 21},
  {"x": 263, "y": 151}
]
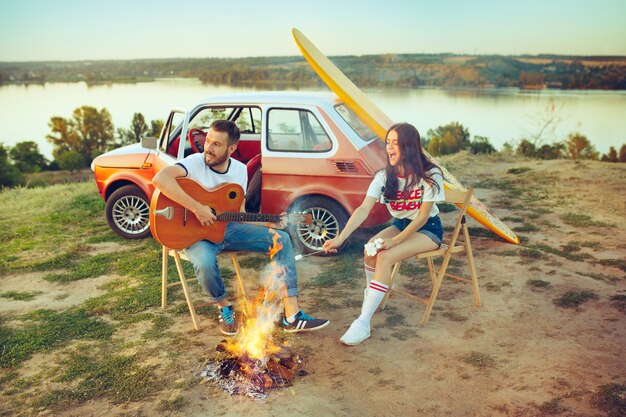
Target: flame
[{"x": 255, "y": 337}]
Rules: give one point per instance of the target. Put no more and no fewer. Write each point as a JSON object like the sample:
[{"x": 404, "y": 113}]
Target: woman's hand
[
  {"x": 389, "y": 243},
  {"x": 332, "y": 245}
]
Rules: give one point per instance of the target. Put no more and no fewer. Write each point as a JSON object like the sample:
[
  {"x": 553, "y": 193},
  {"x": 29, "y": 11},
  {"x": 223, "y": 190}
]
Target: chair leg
[
  {"x": 431, "y": 270},
  {"x": 471, "y": 265},
  {"x": 242, "y": 288},
  {"x": 436, "y": 285},
  {"x": 183, "y": 282},
  {"x": 394, "y": 271},
  {"x": 164, "y": 263}
]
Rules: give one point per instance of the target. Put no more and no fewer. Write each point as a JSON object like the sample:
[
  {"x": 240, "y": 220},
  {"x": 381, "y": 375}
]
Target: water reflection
[{"x": 501, "y": 114}]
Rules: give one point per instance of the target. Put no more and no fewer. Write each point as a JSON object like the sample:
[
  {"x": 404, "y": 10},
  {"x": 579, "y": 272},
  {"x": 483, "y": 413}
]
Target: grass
[
  {"x": 538, "y": 283},
  {"x": 99, "y": 373},
  {"x": 526, "y": 228},
  {"x": 45, "y": 330},
  {"x": 20, "y": 295},
  {"x": 610, "y": 398},
  {"x": 573, "y": 299},
  {"x": 552, "y": 407},
  {"x": 582, "y": 220},
  {"x": 616, "y": 263},
  {"x": 451, "y": 315},
  {"x": 479, "y": 360},
  {"x": 517, "y": 171},
  {"x": 344, "y": 268},
  {"x": 566, "y": 251},
  {"x": 619, "y": 302},
  {"x": 256, "y": 262}
]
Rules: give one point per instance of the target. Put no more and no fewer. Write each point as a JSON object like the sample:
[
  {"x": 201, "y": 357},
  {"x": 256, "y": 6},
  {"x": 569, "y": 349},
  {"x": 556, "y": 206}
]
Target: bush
[
  {"x": 481, "y": 144},
  {"x": 10, "y": 176},
  {"x": 448, "y": 139},
  {"x": 27, "y": 158},
  {"x": 579, "y": 147},
  {"x": 71, "y": 161}
]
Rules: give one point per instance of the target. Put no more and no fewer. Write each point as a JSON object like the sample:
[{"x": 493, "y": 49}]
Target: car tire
[
  {"x": 329, "y": 219},
  {"x": 128, "y": 212}
]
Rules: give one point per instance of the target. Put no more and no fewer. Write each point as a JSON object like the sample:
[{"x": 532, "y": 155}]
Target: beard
[{"x": 213, "y": 160}]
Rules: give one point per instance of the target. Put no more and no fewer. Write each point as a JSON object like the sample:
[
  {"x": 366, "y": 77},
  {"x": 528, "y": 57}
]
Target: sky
[{"x": 44, "y": 30}]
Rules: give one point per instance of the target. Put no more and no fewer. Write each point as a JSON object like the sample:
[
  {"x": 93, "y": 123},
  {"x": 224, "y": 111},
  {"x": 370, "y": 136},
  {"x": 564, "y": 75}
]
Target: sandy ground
[{"x": 539, "y": 352}]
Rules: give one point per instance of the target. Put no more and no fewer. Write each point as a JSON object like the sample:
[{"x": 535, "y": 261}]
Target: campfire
[{"x": 253, "y": 362}]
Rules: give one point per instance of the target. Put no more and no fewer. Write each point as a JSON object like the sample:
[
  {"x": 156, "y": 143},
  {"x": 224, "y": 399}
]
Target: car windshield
[{"x": 355, "y": 123}]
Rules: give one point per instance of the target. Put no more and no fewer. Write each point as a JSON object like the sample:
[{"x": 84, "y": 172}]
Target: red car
[{"x": 305, "y": 152}]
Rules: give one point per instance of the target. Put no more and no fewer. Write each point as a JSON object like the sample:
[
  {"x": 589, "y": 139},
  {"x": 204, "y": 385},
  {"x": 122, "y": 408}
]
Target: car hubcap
[
  {"x": 323, "y": 227},
  {"x": 131, "y": 214}
]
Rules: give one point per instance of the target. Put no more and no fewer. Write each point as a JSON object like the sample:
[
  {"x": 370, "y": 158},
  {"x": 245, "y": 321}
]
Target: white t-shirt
[
  {"x": 407, "y": 207},
  {"x": 198, "y": 170}
]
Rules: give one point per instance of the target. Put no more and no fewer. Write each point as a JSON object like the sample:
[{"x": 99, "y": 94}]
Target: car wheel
[
  {"x": 128, "y": 212},
  {"x": 329, "y": 218}
]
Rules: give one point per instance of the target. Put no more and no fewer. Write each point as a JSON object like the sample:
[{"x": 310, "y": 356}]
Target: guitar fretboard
[{"x": 234, "y": 216}]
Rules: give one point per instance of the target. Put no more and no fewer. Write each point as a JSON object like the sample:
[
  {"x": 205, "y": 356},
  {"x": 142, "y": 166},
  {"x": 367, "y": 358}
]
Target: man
[{"x": 210, "y": 168}]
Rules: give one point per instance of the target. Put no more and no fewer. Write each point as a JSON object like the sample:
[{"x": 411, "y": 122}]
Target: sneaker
[
  {"x": 304, "y": 323},
  {"x": 357, "y": 333},
  {"x": 227, "y": 321}
]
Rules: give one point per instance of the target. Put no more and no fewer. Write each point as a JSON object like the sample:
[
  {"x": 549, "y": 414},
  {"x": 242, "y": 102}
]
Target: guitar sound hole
[{"x": 232, "y": 195}]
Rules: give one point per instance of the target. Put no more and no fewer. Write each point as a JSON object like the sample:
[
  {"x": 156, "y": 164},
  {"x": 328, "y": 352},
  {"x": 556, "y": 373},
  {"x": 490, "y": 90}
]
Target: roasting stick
[{"x": 298, "y": 257}]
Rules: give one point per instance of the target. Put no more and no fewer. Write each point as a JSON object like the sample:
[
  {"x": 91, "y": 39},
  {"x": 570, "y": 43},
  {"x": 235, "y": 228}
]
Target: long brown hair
[{"x": 412, "y": 158}]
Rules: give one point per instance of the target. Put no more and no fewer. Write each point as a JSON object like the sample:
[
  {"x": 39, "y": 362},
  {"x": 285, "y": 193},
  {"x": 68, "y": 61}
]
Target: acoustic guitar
[{"x": 176, "y": 227}]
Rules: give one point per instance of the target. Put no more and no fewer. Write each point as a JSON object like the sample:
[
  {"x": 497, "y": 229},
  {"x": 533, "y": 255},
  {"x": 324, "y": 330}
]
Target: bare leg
[
  {"x": 291, "y": 306},
  {"x": 413, "y": 245}
]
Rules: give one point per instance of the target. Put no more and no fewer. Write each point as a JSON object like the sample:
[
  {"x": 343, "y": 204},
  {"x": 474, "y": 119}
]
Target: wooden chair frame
[
  {"x": 183, "y": 280},
  {"x": 453, "y": 246}
]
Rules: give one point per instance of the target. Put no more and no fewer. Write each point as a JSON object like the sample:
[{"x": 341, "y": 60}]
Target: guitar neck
[{"x": 235, "y": 216}]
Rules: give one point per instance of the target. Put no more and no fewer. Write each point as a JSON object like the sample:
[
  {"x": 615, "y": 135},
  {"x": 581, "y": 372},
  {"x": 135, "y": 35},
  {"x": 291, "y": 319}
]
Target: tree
[
  {"x": 71, "y": 161},
  {"x": 526, "y": 148},
  {"x": 579, "y": 147},
  {"x": 10, "y": 176},
  {"x": 611, "y": 156},
  {"x": 155, "y": 128},
  {"x": 138, "y": 128},
  {"x": 481, "y": 144},
  {"x": 27, "y": 158},
  {"x": 554, "y": 151},
  {"x": 89, "y": 132},
  {"x": 622, "y": 153},
  {"x": 448, "y": 139}
]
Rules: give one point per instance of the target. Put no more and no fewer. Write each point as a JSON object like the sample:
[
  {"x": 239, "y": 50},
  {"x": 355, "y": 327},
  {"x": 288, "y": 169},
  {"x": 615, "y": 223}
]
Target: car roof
[{"x": 276, "y": 97}]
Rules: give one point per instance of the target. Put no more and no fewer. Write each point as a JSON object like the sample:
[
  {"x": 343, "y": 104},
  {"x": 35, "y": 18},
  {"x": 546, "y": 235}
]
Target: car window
[
  {"x": 296, "y": 130},
  {"x": 247, "y": 118},
  {"x": 173, "y": 123},
  {"x": 355, "y": 123}
]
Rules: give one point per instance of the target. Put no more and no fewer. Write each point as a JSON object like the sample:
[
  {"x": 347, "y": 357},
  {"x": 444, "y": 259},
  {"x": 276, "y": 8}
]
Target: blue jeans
[{"x": 242, "y": 237}]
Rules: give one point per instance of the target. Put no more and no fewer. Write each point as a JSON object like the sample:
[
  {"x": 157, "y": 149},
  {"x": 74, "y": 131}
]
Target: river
[{"x": 501, "y": 114}]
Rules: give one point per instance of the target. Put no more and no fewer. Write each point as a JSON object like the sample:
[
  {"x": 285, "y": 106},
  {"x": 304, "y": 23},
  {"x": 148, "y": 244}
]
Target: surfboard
[{"x": 378, "y": 121}]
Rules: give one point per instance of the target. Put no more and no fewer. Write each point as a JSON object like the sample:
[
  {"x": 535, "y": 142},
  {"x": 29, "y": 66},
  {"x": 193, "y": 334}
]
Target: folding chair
[
  {"x": 183, "y": 280},
  {"x": 453, "y": 246}
]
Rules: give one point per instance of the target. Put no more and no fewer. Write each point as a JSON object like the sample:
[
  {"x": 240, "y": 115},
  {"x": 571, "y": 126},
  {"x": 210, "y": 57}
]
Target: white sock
[
  {"x": 291, "y": 319},
  {"x": 374, "y": 296},
  {"x": 369, "y": 273}
]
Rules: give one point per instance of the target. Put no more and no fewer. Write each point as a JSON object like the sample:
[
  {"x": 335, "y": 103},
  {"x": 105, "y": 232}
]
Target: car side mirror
[{"x": 149, "y": 142}]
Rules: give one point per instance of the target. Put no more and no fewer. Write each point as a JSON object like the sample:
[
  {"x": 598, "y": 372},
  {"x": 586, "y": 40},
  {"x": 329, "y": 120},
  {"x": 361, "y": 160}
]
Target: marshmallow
[{"x": 298, "y": 257}]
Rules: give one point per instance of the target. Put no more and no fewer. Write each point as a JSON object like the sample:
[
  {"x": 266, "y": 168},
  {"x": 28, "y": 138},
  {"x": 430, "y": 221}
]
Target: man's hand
[
  {"x": 281, "y": 224},
  {"x": 205, "y": 215}
]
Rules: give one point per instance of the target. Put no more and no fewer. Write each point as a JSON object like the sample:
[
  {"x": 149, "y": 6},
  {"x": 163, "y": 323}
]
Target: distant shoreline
[{"x": 385, "y": 70}]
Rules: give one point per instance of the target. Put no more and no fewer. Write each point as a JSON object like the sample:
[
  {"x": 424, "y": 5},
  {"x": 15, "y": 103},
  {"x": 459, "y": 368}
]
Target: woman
[{"x": 409, "y": 186}]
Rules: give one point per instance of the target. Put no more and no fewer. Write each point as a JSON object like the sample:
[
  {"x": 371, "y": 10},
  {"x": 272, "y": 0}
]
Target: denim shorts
[{"x": 432, "y": 228}]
